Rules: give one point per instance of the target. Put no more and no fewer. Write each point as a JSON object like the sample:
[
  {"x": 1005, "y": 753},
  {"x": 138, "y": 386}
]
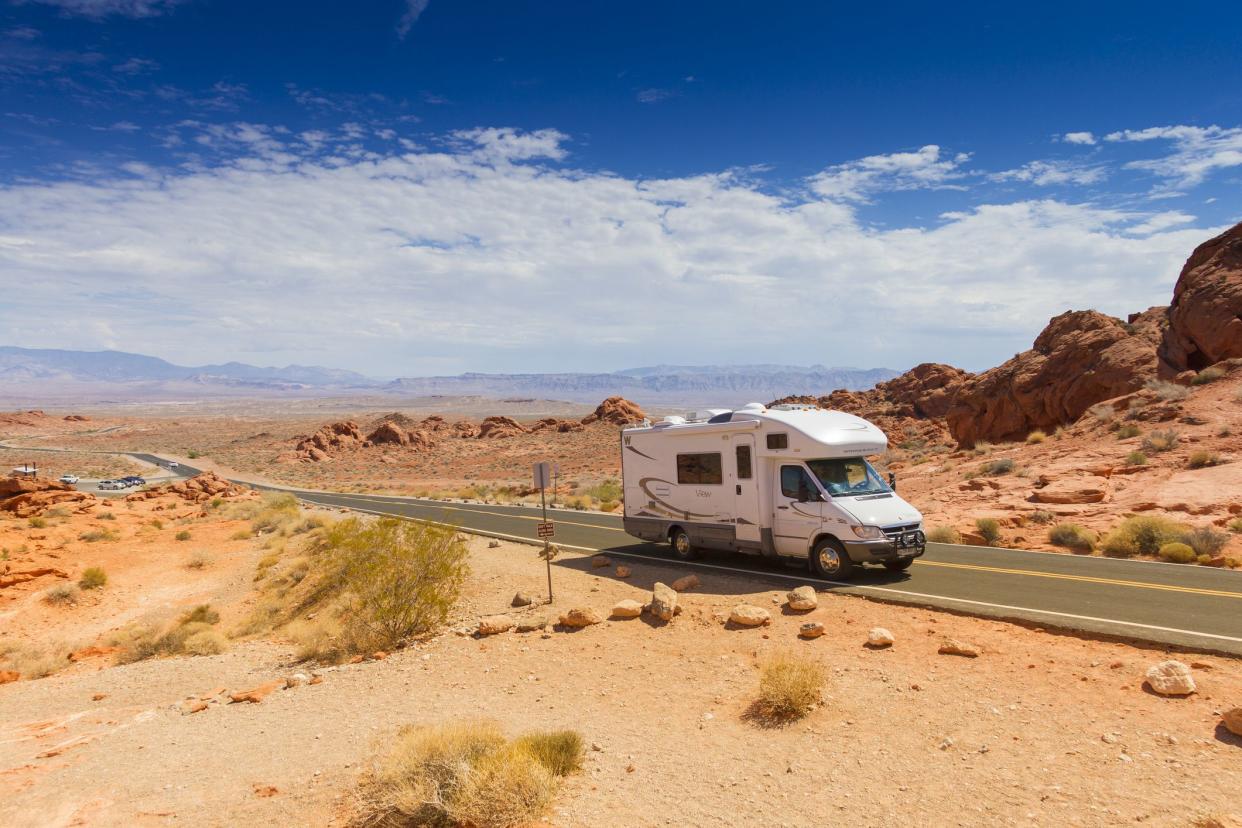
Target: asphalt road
[{"x": 1187, "y": 606}]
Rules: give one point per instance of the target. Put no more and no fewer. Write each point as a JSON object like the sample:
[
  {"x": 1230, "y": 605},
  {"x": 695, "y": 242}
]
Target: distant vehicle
[
  {"x": 133, "y": 480},
  {"x": 69, "y": 478},
  {"x": 781, "y": 481},
  {"x": 110, "y": 485},
  {"x": 172, "y": 464}
]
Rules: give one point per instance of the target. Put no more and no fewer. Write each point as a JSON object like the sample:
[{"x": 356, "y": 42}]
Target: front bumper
[{"x": 910, "y": 544}]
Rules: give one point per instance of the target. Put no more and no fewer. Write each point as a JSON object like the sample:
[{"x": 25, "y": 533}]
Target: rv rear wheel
[
  {"x": 680, "y": 541},
  {"x": 830, "y": 560}
]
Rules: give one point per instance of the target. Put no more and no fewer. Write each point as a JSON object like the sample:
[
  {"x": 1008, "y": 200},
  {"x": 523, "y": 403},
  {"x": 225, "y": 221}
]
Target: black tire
[
  {"x": 683, "y": 550},
  {"x": 898, "y": 564},
  {"x": 830, "y": 560}
]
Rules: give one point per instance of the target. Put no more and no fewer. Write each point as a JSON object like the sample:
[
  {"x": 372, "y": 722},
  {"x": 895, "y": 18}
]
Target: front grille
[{"x": 905, "y": 535}]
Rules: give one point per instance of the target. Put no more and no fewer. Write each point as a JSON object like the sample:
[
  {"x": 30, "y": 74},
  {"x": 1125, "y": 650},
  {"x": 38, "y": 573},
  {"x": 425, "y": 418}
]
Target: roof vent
[
  {"x": 752, "y": 406},
  {"x": 673, "y": 419}
]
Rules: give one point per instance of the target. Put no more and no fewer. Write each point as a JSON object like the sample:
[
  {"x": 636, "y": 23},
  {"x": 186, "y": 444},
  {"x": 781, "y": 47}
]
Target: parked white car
[
  {"x": 69, "y": 478},
  {"x": 110, "y": 485}
]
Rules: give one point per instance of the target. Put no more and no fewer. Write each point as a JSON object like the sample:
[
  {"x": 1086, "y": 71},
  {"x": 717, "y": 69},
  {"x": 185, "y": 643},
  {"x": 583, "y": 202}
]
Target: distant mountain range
[{"x": 25, "y": 373}]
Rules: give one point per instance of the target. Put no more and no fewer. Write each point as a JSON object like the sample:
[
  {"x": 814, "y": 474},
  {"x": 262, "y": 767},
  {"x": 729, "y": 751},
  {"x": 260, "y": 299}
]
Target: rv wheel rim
[
  {"x": 682, "y": 543},
  {"x": 829, "y": 559}
]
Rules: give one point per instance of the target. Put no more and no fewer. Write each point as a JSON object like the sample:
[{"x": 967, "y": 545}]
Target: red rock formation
[
  {"x": 1080, "y": 358},
  {"x": 201, "y": 487},
  {"x": 76, "y": 418},
  {"x": 1205, "y": 317},
  {"x": 559, "y": 426},
  {"x": 499, "y": 427},
  {"x": 389, "y": 433},
  {"x": 25, "y": 497},
  {"x": 615, "y": 410}
]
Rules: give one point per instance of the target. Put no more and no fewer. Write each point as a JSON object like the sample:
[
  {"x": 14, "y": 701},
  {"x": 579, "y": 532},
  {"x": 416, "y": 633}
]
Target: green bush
[
  {"x": 609, "y": 489},
  {"x": 1127, "y": 431},
  {"x": 1072, "y": 536},
  {"x": 997, "y": 467},
  {"x": 1142, "y": 535},
  {"x": 93, "y": 578},
  {"x": 1177, "y": 553},
  {"x": 37, "y": 523},
  {"x": 944, "y": 534},
  {"x": 1136, "y": 458},
  {"x": 989, "y": 530},
  {"x": 1208, "y": 375},
  {"x": 1235, "y": 525},
  {"x": 183, "y": 535},
  {"x": 1159, "y": 441}
]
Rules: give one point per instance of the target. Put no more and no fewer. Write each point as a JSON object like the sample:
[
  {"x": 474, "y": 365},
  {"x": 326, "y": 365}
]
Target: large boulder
[
  {"x": 1081, "y": 358},
  {"x": 615, "y": 410},
  {"x": 26, "y": 497},
  {"x": 802, "y": 599},
  {"x": 1205, "y": 316},
  {"x": 497, "y": 427},
  {"x": 389, "y": 432},
  {"x": 328, "y": 439}
]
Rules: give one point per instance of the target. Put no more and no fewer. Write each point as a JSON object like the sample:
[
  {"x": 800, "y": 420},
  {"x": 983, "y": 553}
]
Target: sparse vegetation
[
  {"x": 97, "y": 535},
  {"x": 1072, "y": 536},
  {"x": 1208, "y": 375},
  {"x": 1102, "y": 412},
  {"x": 61, "y": 595},
  {"x": 944, "y": 534},
  {"x": 1202, "y": 459},
  {"x": 1127, "y": 431},
  {"x": 93, "y": 578},
  {"x": 1042, "y": 517},
  {"x": 997, "y": 467},
  {"x": 198, "y": 560},
  {"x": 1141, "y": 535},
  {"x": 1036, "y": 437},
  {"x": 183, "y": 535},
  {"x": 1167, "y": 391},
  {"x": 989, "y": 529},
  {"x": 37, "y": 523},
  {"x": 465, "y": 773},
  {"x": 191, "y": 634},
  {"x": 106, "y": 516},
  {"x": 1159, "y": 441},
  {"x": 789, "y": 687},
  {"x": 1235, "y": 525},
  {"x": 1136, "y": 458},
  {"x": 1177, "y": 553},
  {"x": 1205, "y": 540}
]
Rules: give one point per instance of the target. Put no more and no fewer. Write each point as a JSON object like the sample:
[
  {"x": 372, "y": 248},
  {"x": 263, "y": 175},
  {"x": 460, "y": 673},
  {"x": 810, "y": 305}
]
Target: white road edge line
[{"x": 802, "y": 578}]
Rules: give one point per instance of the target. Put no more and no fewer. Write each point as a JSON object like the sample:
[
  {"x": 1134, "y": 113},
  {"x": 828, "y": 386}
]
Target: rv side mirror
[{"x": 892, "y": 481}]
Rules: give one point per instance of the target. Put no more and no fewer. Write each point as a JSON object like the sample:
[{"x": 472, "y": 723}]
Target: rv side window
[
  {"x": 699, "y": 468},
  {"x": 743, "y": 462},
  {"x": 778, "y": 441},
  {"x": 795, "y": 482}
]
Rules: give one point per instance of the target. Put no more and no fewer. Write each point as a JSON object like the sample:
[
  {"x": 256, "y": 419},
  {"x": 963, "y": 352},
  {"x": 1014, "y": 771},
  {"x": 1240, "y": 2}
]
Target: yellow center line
[
  {"x": 921, "y": 561},
  {"x": 1087, "y": 578}
]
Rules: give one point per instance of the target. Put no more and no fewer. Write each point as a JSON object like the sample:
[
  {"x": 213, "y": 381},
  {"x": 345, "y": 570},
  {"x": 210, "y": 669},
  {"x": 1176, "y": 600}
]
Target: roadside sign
[
  {"x": 547, "y": 530},
  {"x": 543, "y": 475}
]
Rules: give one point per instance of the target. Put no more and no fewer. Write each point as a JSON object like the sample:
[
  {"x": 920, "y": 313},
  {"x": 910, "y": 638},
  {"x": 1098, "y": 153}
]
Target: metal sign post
[{"x": 543, "y": 473}]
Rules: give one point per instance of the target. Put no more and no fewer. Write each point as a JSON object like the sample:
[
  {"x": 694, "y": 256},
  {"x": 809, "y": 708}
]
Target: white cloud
[
  {"x": 1197, "y": 152},
  {"x": 413, "y": 10},
  {"x": 493, "y": 255},
  {"x": 99, "y": 9},
  {"x": 1050, "y": 173},
  {"x": 1087, "y": 138},
  {"x": 655, "y": 95},
  {"x": 858, "y": 180}
]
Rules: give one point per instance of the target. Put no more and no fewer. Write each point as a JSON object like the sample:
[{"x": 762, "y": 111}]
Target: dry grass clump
[
  {"x": 36, "y": 523},
  {"x": 1159, "y": 441},
  {"x": 1036, "y": 437},
  {"x": 1136, "y": 458},
  {"x": 1167, "y": 391},
  {"x": 1141, "y": 535},
  {"x": 193, "y": 633},
  {"x": 1042, "y": 517},
  {"x": 1235, "y": 525},
  {"x": 1205, "y": 540},
  {"x": 96, "y": 535},
  {"x": 198, "y": 560},
  {"x": 93, "y": 577},
  {"x": 1072, "y": 536},
  {"x": 1177, "y": 553},
  {"x": 35, "y": 663},
  {"x": 944, "y": 534},
  {"x": 465, "y": 773},
  {"x": 989, "y": 529},
  {"x": 789, "y": 687},
  {"x": 1202, "y": 458},
  {"x": 1208, "y": 375},
  {"x": 183, "y": 535},
  {"x": 62, "y": 595},
  {"x": 997, "y": 467},
  {"x": 1127, "y": 431}
]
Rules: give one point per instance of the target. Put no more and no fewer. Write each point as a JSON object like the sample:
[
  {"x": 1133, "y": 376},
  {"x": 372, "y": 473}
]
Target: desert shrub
[
  {"x": 1102, "y": 412},
  {"x": 1042, "y": 517},
  {"x": 106, "y": 516},
  {"x": 789, "y": 686},
  {"x": 319, "y": 640},
  {"x": 989, "y": 529},
  {"x": 198, "y": 560},
  {"x": 1202, "y": 459},
  {"x": 37, "y": 523},
  {"x": 997, "y": 467},
  {"x": 183, "y": 535},
  {"x": 57, "y": 512},
  {"x": 1072, "y": 536},
  {"x": 463, "y": 773},
  {"x": 1210, "y": 374},
  {"x": 560, "y": 751},
  {"x": 139, "y": 643},
  {"x": 608, "y": 506},
  {"x": 241, "y": 534},
  {"x": 277, "y": 511},
  {"x": 1167, "y": 391},
  {"x": 156, "y": 523},
  {"x": 398, "y": 579},
  {"x": 97, "y": 535},
  {"x": 1127, "y": 431},
  {"x": 192, "y": 454},
  {"x": 1036, "y": 437},
  {"x": 201, "y": 614},
  {"x": 609, "y": 489},
  {"x": 1141, "y": 535},
  {"x": 204, "y": 642},
  {"x": 1224, "y": 431},
  {"x": 1177, "y": 553},
  {"x": 61, "y": 595},
  {"x": 1205, "y": 540},
  {"x": 93, "y": 578},
  {"x": 944, "y": 534},
  {"x": 1235, "y": 525},
  {"x": 1136, "y": 458},
  {"x": 35, "y": 662},
  {"x": 1159, "y": 441}
]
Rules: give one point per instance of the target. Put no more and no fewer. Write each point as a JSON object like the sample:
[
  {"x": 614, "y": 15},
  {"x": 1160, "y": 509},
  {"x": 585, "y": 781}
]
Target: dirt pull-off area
[{"x": 924, "y": 718}]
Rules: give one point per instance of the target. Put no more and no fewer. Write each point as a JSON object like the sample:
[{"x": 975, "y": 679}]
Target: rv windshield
[{"x": 848, "y": 476}]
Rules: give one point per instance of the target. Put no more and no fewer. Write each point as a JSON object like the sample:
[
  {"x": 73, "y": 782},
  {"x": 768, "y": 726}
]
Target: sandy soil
[{"x": 1040, "y": 729}]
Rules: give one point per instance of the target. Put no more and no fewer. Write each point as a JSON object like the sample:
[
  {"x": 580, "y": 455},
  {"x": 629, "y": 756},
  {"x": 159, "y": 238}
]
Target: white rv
[{"x": 783, "y": 481}]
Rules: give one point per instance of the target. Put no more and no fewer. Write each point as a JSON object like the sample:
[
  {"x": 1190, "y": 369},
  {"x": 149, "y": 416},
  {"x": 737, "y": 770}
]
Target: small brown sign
[{"x": 547, "y": 530}]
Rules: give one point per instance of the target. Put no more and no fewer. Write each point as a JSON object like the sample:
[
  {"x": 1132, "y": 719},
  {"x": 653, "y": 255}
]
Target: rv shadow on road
[{"x": 720, "y": 573}]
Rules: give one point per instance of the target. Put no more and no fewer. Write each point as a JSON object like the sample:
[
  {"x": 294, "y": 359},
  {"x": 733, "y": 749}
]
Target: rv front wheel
[
  {"x": 680, "y": 542},
  {"x": 830, "y": 560}
]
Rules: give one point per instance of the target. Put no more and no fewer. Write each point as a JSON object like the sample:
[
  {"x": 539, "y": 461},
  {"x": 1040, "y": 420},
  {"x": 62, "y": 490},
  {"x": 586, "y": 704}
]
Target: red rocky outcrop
[
  {"x": 24, "y": 497},
  {"x": 615, "y": 410},
  {"x": 199, "y": 488},
  {"x": 498, "y": 427},
  {"x": 1205, "y": 317}
]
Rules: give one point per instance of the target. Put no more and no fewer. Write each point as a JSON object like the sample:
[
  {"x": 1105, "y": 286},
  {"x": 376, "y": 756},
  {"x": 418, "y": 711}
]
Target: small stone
[
  {"x": 379, "y": 655},
  {"x": 1170, "y": 678},
  {"x": 663, "y": 602},
  {"x": 623, "y": 571},
  {"x": 533, "y": 624},
  {"x": 315, "y": 678},
  {"x": 580, "y": 617},
  {"x": 945, "y": 743},
  {"x": 685, "y": 582},
  {"x": 951, "y": 646},
  {"x": 265, "y": 791},
  {"x": 595, "y": 746},
  {"x": 494, "y": 624},
  {"x": 1110, "y": 738},
  {"x": 600, "y": 561},
  {"x": 811, "y": 629},
  {"x": 629, "y": 608},
  {"x": 748, "y": 615},
  {"x": 521, "y": 599},
  {"x": 1232, "y": 720},
  {"x": 257, "y": 694},
  {"x": 802, "y": 599},
  {"x": 629, "y": 768},
  {"x": 99, "y": 697},
  {"x": 880, "y": 637},
  {"x": 493, "y": 544},
  {"x": 193, "y": 706}
]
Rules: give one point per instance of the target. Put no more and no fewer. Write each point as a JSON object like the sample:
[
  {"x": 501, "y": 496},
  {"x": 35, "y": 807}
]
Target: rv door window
[
  {"x": 796, "y": 484},
  {"x": 743, "y": 462},
  {"x": 703, "y": 469},
  {"x": 778, "y": 441}
]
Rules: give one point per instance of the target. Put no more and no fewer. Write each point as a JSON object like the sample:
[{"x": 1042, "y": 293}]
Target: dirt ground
[{"x": 1040, "y": 729}]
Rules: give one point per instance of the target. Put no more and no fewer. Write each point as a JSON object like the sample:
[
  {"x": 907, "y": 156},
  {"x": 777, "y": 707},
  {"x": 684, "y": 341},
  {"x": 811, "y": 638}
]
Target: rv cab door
[{"x": 795, "y": 520}]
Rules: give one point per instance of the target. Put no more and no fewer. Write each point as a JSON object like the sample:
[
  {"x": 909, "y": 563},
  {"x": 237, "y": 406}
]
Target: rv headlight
[{"x": 868, "y": 532}]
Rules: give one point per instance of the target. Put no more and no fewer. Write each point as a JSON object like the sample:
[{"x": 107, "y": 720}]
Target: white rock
[
  {"x": 880, "y": 637},
  {"x": 1171, "y": 678},
  {"x": 803, "y": 599},
  {"x": 747, "y": 615}
]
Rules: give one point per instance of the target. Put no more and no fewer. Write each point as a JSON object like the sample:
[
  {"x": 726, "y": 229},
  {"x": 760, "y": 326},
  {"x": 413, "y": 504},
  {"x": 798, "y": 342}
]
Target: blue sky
[{"x": 414, "y": 187}]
